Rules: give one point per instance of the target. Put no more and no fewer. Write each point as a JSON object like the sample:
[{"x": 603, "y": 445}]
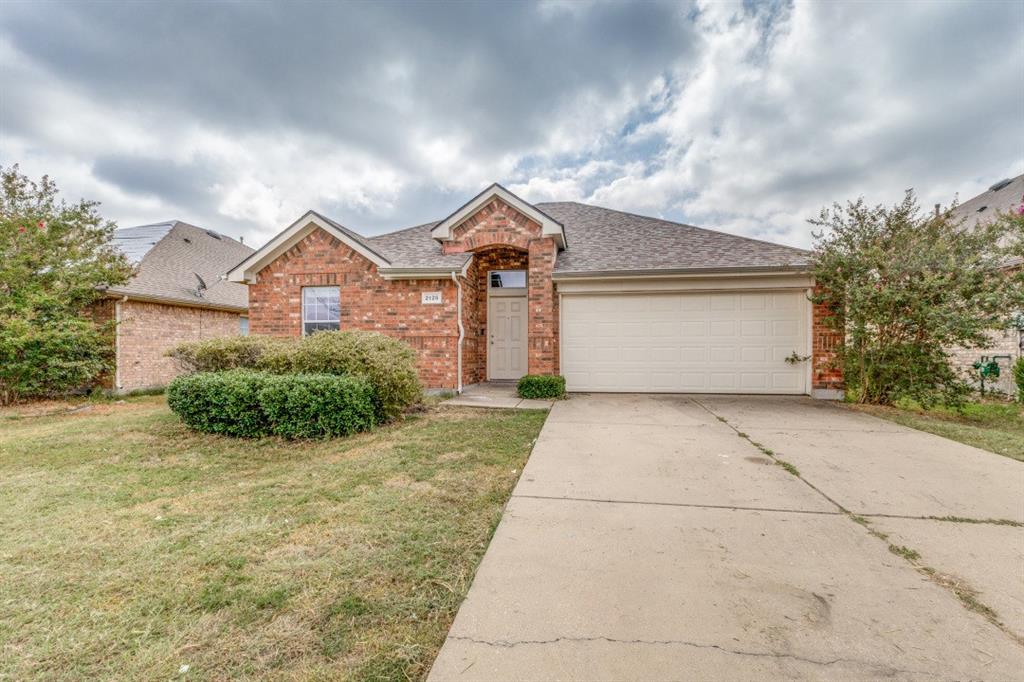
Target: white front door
[{"x": 506, "y": 331}]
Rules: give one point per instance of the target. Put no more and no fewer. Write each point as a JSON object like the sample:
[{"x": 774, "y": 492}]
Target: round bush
[
  {"x": 229, "y": 352},
  {"x": 220, "y": 402},
  {"x": 389, "y": 365},
  {"x": 541, "y": 387},
  {"x": 316, "y": 405}
]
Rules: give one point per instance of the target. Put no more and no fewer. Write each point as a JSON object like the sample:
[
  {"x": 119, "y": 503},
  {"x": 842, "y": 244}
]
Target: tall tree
[
  {"x": 54, "y": 256},
  {"x": 906, "y": 287}
]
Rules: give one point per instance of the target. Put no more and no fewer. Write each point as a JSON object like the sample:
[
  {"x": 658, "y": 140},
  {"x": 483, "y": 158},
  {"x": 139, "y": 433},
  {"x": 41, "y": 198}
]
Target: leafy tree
[
  {"x": 905, "y": 287},
  {"x": 54, "y": 256}
]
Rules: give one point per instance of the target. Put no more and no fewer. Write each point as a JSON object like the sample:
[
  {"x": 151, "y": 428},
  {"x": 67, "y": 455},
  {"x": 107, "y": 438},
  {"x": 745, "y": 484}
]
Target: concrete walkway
[
  {"x": 496, "y": 394},
  {"x": 650, "y": 538}
]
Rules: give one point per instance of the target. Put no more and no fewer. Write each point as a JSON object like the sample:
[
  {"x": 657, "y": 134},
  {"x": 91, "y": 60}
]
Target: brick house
[
  {"x": 501, "y": 288},
  {"x": 178, "y": 294},
  {"x": 1007, "y": 345}
]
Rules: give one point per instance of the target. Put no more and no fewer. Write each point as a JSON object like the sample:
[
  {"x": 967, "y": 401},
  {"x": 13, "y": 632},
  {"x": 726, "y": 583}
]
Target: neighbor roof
[
  {"x": 602, "y": 240},
  {"x": 170, "y": 255},
  {"x": 1005, "y": 195},
  {"x": 1001, "y": 197}
]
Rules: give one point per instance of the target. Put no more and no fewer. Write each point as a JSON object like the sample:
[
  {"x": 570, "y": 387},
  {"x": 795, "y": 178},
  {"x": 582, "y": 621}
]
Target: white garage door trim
[{"x": 696, "y": 349}]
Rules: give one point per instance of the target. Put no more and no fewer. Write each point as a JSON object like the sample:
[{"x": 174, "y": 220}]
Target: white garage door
[{"x": 687, "y": 342}]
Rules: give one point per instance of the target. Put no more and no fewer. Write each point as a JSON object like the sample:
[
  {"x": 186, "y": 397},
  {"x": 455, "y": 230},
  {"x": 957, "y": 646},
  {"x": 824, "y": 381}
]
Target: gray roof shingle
[
  {"x": 170, "y": 255},
  {"x": 605, "y": 240}
]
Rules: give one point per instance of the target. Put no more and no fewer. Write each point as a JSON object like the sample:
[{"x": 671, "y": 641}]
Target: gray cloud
[{"x": 746, "y": 117}]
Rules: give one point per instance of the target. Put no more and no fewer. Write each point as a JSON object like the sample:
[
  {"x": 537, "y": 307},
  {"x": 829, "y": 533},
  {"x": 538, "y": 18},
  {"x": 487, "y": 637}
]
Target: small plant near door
[{"x": 541, "y": 387}]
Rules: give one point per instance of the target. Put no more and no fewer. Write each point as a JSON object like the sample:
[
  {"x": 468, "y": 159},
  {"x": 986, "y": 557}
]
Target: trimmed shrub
[
  {"x": 389, "y": 365},
  {"x": 225, "y": 353},
  {"x": 1018, "y": 377},
  {"x": 316, "y": 405},
  {"x": 542, "y": 387},
  {"x": 220, "y": 402}
]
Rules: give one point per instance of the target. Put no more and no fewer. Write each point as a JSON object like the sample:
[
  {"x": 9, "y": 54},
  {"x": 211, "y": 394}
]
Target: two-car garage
[{"x": 690, "y": 341}]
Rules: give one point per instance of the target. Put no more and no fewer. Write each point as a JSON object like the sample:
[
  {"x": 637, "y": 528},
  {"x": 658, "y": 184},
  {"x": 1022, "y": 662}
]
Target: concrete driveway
[{"x": 651, "y": 537}]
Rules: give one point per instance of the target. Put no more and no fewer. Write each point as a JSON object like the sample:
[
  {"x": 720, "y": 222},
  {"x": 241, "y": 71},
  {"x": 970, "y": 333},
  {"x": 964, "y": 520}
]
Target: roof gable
[
  {"x": 296, "y": 232},
  {"x": 549, "y": 226}
]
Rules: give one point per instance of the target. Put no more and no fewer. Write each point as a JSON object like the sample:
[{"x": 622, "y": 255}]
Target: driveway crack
[
  {"x": 511, "y": 644},
  {"x": 960, "y": 589}
]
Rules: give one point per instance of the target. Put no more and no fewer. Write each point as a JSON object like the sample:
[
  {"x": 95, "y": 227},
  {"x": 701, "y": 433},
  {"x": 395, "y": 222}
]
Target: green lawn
[
  {"x": 132, "y": 548},
  {"x": 994, "y": 426}
]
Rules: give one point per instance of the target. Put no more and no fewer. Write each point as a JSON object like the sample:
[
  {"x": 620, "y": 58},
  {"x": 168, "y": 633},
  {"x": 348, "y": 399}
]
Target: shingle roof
[
  {"x": 1008, "y": 196},
  {"x": 170, "y": 255},
  {"x": 987, "y": 205},
  {"x": 413, "y": 247},
  {"x": 605, "y": 240}
]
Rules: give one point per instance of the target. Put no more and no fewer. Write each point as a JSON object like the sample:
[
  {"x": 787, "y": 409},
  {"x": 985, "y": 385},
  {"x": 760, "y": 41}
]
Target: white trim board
[
  {"x": 549, "y": 226},
  {"x": 246, "y": 270}
]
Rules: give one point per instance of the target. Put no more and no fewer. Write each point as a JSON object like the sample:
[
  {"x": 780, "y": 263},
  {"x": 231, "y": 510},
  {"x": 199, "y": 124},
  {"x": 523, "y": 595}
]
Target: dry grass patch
[
  {"x": 132, "y": 547},
  {"x": 994, "y": 426}
]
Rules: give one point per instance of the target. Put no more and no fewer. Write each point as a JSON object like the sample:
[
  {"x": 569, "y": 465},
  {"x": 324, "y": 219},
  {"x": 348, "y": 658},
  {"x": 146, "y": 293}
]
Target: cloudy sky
[{"x": 743, "y": 117}]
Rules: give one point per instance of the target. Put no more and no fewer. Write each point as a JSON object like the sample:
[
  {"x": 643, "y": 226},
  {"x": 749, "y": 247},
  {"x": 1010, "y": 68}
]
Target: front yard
[
  {"x": 994, "y": 426},
  {"x": 131, "y": 547}
]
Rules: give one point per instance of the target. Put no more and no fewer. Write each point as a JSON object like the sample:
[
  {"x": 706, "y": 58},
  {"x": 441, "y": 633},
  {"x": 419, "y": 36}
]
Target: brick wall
[
  {"x": 1004, "y": 343},
  {"x": 148, "y": 330},
  {"x": 826, "y": 374},
  {"x": 368, "y": 302},
  {"x": 494, "y": 224}
]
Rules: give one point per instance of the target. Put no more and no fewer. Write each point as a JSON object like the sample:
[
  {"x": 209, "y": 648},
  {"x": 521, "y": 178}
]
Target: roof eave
[
  {"x": 424, "y": 273},
  {"x": 168, "y": 300},
  {"x": 681, "y": 272}
]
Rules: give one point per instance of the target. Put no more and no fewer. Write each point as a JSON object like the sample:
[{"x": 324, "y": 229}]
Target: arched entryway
[{"x": 497, "y": 328}]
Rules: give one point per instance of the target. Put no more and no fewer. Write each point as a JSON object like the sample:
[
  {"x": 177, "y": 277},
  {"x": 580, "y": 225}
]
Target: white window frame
[{"x": 306, "y": 320}]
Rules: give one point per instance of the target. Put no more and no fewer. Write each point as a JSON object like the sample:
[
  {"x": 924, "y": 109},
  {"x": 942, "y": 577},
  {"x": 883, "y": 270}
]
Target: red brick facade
[
  {"x": 148, "y": 330},
  {"x": 500, "y": 237},
  {"x": 368, "y": 302},
  {"x": 826, "y": 374}
]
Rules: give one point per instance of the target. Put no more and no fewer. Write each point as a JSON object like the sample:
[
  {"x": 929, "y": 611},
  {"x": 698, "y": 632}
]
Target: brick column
[{"x": 542, "y": 327}]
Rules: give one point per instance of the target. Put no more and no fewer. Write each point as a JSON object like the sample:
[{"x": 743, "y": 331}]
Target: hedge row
[
  {"x": 252, "y": 404},
  {"x": 387, "y": 364}
]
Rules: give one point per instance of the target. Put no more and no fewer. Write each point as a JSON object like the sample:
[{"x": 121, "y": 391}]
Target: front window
[
  {"x": 321, "y": 309},
  {"x": 508, "y": 279},
  {"x": 243, "y": 326}
]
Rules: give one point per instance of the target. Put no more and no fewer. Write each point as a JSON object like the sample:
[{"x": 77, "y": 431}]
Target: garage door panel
[{"x": 733, "y": 342}]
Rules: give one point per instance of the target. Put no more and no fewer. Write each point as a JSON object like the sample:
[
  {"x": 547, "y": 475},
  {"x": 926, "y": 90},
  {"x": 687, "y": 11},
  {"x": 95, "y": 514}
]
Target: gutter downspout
[
  {"x": 462, "y": 329},
  {"x": 117, "y": 342}
]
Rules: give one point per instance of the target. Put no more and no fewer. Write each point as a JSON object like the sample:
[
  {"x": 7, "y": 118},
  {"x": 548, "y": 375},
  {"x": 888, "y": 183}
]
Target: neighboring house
[
  {"x": 1003, "y": 196},
  {"x": 178, "y": 294},
  {"x": 611, "y": 300}
]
